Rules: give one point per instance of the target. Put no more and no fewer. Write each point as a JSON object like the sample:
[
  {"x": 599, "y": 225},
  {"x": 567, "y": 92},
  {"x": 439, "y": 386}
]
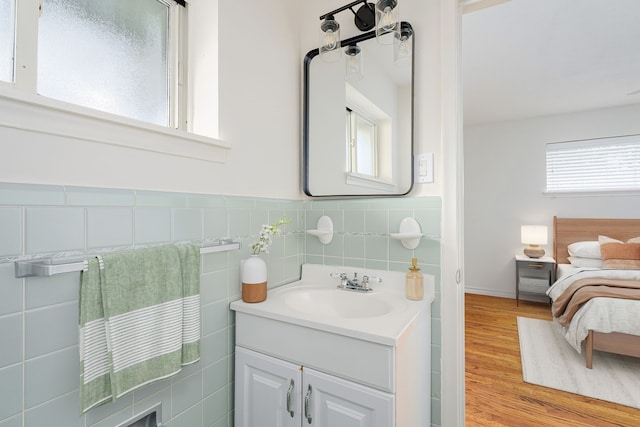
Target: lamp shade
[{"x": 533, "y": 234}]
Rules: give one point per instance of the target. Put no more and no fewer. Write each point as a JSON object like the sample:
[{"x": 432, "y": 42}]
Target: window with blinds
[{"x": 604, "y": 164}]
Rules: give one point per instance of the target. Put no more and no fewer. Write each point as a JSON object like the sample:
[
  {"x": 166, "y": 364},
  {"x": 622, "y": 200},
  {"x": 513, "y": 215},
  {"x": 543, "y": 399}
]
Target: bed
[{"x": 604, "y": 324}]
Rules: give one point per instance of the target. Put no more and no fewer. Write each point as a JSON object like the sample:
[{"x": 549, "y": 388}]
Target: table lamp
[{"x": 533, "y": 236}]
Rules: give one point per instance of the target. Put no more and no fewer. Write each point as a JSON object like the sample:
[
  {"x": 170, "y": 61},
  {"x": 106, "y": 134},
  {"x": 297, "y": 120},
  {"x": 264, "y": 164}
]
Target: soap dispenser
[{"x": 415, "y": 282}]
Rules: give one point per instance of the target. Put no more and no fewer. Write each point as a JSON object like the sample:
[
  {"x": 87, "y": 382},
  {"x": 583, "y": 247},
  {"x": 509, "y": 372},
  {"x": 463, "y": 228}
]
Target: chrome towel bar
[{"x": 50, "y": 266}]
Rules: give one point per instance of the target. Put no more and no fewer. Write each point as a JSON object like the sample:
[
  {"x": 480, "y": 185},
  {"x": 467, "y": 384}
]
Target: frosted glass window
[
  {"x": 7, "y": 39},
  {"x": 604, "y": 164},
  {"x": 110, "y": 55}
]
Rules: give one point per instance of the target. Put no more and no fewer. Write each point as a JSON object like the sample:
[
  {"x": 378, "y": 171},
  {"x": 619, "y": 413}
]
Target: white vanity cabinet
[
  {"x": 274, "y": 393},
  {"x": 358, "y": 359}
]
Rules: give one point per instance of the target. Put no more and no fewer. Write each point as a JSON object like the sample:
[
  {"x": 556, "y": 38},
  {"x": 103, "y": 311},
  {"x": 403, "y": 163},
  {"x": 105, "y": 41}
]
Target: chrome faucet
[{"x": 354, "y": 284}]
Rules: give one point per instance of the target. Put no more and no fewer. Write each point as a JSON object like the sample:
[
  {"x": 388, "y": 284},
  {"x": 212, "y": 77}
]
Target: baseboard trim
[
  {"x": 489, "y": 292},
  {"x": 493, "y": 293}
]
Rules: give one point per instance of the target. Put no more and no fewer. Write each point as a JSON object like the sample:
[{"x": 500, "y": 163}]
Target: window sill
[
  {"x": 369, "y": 182},
  {"x": 607, "y": 193},
  {"x": 34, "y": 113}
]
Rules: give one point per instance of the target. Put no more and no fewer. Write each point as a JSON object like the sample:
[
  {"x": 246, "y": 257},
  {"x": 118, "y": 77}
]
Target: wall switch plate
[{"x": 424, "y": 168}]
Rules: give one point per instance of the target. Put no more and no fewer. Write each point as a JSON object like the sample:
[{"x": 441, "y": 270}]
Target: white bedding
[
  {"x": 564, "y": 269},
  {"x": 599, "y": 314}
]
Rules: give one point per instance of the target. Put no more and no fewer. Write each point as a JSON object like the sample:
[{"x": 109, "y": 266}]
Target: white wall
[
  {"x": 259, "y": 116},
  {"x": 504, "y": 166}
]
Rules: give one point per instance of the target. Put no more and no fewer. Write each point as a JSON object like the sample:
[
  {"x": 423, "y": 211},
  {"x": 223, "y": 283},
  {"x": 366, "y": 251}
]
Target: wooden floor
[{"x": 495, "y": 392}]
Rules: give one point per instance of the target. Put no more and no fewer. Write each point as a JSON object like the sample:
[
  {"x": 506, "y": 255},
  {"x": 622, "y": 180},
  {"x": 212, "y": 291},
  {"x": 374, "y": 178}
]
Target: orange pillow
[{"x": 620, "y": 255}]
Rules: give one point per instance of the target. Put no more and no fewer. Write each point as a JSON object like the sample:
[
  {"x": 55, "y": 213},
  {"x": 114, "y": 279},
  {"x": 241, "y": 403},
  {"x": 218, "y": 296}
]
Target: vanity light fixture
[
  {"x": 354, "y": 70},
  {"x": 383, "y": 16}
]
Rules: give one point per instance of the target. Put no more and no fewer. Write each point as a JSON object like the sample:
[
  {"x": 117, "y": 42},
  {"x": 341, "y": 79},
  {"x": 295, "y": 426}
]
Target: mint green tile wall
[
  {"x": 361, "y": 239},
  {"x": 38, "y": 316}
]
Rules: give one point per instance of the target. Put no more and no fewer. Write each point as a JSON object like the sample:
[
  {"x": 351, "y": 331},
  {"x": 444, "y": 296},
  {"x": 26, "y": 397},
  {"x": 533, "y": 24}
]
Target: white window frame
[
  {"x": 384, "y": 161},
  {"x": 601, "y": 166},
  {"x": 25, "y": 110},
  {"x": 352, "y": 176},
  {"x": 353, "y": 117}
]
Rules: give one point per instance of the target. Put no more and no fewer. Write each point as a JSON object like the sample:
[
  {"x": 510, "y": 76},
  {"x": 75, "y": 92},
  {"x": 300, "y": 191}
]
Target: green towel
[
  {"x": 139, "y": 320},
  {"x": 95, "y": 382}
]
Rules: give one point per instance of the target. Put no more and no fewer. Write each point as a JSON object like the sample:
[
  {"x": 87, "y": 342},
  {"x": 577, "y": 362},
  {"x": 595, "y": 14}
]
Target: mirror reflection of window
[
  {"x": 362, "y": 143},
  {"x": 7, "y": 39}
]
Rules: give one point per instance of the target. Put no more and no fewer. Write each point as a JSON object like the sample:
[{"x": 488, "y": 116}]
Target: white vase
[{"x": 254, "y": 279}]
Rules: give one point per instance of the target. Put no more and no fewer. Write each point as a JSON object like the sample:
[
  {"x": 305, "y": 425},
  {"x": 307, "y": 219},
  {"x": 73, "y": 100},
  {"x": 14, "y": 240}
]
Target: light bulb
[
  {"x": 354, "y": 68},
  {"x": 330, "y": 41},
  {"x": 402, "y": 49},
  {"x": 404, "y": 46},
  {"x": 387, "y": 19},
  {"x": 352, "y": 64}
]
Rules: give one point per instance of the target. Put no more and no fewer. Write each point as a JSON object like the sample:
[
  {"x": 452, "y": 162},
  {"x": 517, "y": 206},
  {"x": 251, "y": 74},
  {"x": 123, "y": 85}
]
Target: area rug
[{"x": 548, "y": 360}]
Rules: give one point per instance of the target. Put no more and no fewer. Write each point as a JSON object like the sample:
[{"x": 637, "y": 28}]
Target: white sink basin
[
  {"x": 315, "y": 302},
  {"x": 329, "y": 301}
]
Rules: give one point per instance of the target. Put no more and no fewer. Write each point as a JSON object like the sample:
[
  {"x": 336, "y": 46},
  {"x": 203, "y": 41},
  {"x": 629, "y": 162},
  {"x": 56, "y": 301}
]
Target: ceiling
[{"x": 528, "y": 58}]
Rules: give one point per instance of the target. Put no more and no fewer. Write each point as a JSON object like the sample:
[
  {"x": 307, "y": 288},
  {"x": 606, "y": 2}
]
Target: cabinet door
[
  {"x": 333, "y": 402},
  {"x": 267, "y": 391}
]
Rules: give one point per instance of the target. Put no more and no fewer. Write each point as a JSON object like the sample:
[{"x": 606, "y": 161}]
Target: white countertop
[
  {"x": 549, "y": 259},
  {"x": 385, "y": 328}
]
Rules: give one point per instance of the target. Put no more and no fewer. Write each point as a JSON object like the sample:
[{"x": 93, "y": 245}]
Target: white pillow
[
  {"x": 589, "y": 249},
  {"x": 585, "y": 262}
]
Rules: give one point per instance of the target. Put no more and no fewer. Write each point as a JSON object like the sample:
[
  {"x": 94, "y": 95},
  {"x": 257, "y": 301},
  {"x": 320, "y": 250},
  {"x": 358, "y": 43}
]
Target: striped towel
[{"x": 139, "y": 320}]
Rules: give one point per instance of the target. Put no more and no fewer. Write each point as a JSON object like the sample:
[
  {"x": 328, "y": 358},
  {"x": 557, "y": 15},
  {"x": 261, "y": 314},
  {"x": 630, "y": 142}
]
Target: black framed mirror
[{"x": 358, "y": 118}]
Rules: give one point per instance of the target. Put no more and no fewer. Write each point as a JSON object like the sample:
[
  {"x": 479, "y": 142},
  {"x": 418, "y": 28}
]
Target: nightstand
[{"x": 534, "y": 275}]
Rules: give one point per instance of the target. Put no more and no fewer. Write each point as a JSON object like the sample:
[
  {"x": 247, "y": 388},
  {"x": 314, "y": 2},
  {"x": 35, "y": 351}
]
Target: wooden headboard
[{"x": 570, "y": 230}]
